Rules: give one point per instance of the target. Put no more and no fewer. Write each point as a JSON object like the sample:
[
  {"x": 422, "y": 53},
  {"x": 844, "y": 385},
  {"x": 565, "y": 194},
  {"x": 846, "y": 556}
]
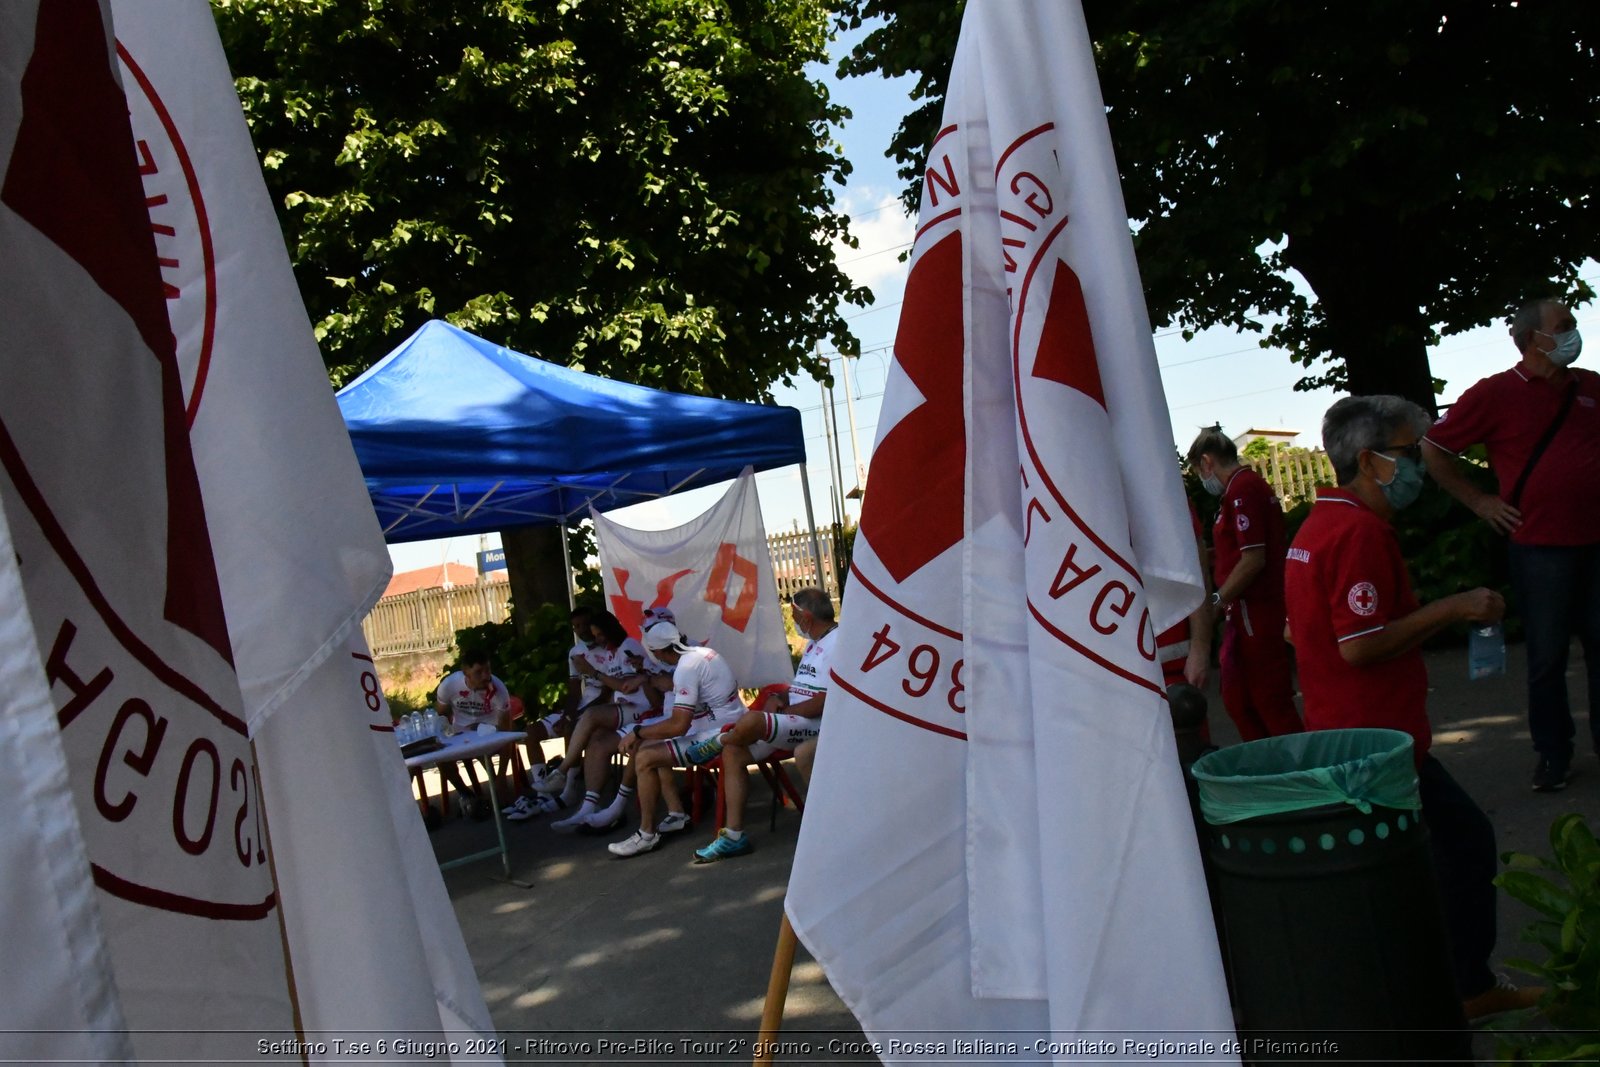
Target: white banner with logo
[
  {"x": 197, "y": 553},
  {"x": 1034, "y": 874},
  {"x": 715, "y": 573}
]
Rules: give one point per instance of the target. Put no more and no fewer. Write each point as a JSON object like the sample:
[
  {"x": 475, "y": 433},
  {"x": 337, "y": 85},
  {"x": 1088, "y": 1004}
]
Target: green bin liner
[{"x": 1364, "y": 768}]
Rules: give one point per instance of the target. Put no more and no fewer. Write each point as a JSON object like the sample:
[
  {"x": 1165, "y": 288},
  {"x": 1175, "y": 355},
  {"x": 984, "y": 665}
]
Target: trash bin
[{"x": 1329, "y": 903}]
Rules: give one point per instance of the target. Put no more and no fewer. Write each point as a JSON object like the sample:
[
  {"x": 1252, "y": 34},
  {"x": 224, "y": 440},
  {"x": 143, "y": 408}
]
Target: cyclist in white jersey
[
  {"x": 785, "y": 725},
  {"x": 583, "y": 689},
  {"x": 705, "y": 698},
  {"x": 616, "y": 662},
  {"x": 468, "y": 697}
]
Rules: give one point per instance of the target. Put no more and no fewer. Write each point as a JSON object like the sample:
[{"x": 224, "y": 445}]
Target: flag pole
[
  {"x": 277, "y": 892},
  {"x": 777, "y": 993}
]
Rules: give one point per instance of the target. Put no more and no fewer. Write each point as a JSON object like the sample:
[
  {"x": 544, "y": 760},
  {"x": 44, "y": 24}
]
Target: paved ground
[{"x": 676, "y": 957}]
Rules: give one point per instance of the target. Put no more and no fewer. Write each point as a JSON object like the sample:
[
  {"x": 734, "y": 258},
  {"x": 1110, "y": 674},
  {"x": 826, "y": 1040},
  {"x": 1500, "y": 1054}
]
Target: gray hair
[
  {"x": 1213, "y": 442},
  {"x": 815, "y": 601},
  {"x": 1527, "y": 321},
  {"x": 1359, "y": 424}
]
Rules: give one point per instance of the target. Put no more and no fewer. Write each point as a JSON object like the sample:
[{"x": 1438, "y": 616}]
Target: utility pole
[
  {"x": 838, "y": 455},
  {"x": 850, "y": 411},
  {"x": 833, "y": 462}
]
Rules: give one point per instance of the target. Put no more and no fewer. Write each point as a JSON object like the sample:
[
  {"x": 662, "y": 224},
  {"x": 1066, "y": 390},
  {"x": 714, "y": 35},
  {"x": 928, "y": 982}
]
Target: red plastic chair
[
  {"x": 771, "y": 769},
  {"x": 518, "y": 767}
]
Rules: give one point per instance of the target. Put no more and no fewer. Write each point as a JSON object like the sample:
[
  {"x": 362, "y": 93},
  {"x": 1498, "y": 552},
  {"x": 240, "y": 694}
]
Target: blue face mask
[
  {"x": 1211, "y": 484},
  {"x": 1402, "y": 490},
  {"x": 1567, "y": 347}
]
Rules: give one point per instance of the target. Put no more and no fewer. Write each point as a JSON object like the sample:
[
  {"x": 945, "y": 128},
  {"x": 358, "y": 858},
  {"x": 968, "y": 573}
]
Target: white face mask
[
  {"x": 1211, "y": 484},
  {"x": 1566, "y": 348}
]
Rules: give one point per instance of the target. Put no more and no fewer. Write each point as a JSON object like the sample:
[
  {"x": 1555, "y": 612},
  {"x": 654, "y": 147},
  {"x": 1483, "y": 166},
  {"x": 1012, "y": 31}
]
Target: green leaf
[{"x": 1538, "y": 892}]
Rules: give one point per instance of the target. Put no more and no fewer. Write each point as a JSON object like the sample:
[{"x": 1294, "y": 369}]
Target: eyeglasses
[{"x": 1413, "y": 451}]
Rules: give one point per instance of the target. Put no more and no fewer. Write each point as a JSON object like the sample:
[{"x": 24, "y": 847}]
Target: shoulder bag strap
[{"x": 1544, "y": 442}]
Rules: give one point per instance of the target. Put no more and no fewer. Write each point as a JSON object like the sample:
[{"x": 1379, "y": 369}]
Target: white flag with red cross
[
  {"x": 195, "y": 553},
  {"x": 714, "y": 572},
  {"x": 998, "y": 841}
]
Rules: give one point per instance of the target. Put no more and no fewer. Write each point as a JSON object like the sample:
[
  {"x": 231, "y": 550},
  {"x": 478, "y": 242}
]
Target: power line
[
  {"x": 1219, "y": 355},
  {"x": 869, "y": 255},
  {"x": 1236, "y": 396},
  {"x": 886, "y": 205},
  {"x": 1439, "y": 351},
  {"x": 875, "y": 308}
]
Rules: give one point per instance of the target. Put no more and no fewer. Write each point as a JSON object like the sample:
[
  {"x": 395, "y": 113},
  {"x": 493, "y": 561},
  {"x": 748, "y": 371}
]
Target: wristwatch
[{"x": 1216, "y": 599}]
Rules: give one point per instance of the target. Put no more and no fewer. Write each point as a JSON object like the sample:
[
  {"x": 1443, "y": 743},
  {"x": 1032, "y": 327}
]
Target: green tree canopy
[
  {"x": 640, "y": 188},
  {"x": 1423, "y": 165}
]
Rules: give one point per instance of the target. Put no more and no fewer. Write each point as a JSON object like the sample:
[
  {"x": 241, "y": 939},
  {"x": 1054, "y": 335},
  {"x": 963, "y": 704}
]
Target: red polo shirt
[
  {"x": 1172, "y": 645},
  {"x": 1250, "y": 517},
  {"x": 1507, "y": 413},
  {"x": 1344, "y": 578}
]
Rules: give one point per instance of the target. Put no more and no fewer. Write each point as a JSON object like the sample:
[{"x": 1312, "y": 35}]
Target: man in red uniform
[
  {"x": 1549, "y": 503},
  {"x": 1247, "y": 545},
  {"x": 1358, "y": 630}
]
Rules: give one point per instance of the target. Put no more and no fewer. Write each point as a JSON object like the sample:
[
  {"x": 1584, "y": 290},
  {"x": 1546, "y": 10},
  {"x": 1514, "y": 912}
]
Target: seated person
[
  {"x": 653, "y": 666},
  {"x": 583, "y": 689},
  {"x": 656, "y": 686},
  {"x": 616, "y": 663},
  {"x": 783, "y": 724},
  {"x": 468, "y": 697},
  {"x": 705, "y": 698},
  {"x": 805, "y": 755}
]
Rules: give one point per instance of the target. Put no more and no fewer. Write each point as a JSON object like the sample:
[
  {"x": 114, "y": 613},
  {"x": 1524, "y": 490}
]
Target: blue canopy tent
[{"x": 456, "y": 435}]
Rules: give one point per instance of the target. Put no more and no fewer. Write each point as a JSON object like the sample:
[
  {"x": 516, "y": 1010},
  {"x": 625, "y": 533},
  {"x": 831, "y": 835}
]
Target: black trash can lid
[{"x": 1361, "y": 767}]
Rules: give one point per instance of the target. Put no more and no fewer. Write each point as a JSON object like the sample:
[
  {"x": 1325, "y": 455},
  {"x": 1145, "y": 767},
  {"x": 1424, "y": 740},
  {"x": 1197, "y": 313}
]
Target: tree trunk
[
  {"x": 537, "y": 572},
  {"x": 1372, "y": 319}
]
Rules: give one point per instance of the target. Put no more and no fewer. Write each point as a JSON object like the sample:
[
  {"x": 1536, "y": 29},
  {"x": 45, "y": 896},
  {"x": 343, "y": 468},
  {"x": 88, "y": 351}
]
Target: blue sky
[{"x": 1219, "y": 376}]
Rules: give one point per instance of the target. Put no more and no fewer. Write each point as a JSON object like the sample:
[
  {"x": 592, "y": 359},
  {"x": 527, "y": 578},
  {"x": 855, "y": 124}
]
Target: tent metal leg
[{"x": 566, "y": 559}]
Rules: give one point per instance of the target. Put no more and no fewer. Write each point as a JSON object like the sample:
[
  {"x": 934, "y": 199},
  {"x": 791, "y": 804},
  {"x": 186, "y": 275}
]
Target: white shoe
[
  {"x": 550, "y": 782},
  {"x": 673, "y": 822},
  {"x": 571, "y": 823},
  {"x": 605, "y": 818},
  {"x": 549, "y": 805},
  {"x": 522, "y": 809},
  {"x": 636, "y": 843}
]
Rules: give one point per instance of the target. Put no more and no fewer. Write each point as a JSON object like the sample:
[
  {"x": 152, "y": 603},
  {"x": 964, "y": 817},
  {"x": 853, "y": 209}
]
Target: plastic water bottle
[
  {"x": 1486, "y": 652},
  {"x": 402, "y": 731},
  {"x": 417, "y": 732},
  {"x": 430, "y": 724}
]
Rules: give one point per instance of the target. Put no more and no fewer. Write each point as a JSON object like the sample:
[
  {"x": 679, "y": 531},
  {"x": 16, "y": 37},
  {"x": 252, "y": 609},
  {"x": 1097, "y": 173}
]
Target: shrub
[
  {"x": 532, "y": 663},
  {"x": 1565, "y": 891}
]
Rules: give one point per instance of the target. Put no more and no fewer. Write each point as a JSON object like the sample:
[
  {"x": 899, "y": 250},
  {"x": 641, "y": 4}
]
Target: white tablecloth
[{"x": 464, "y": 746}]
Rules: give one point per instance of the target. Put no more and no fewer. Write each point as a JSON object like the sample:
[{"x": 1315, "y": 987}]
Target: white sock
[
  {"x": 737, "y": 835},
  {"x": 587, "y": 808}
]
